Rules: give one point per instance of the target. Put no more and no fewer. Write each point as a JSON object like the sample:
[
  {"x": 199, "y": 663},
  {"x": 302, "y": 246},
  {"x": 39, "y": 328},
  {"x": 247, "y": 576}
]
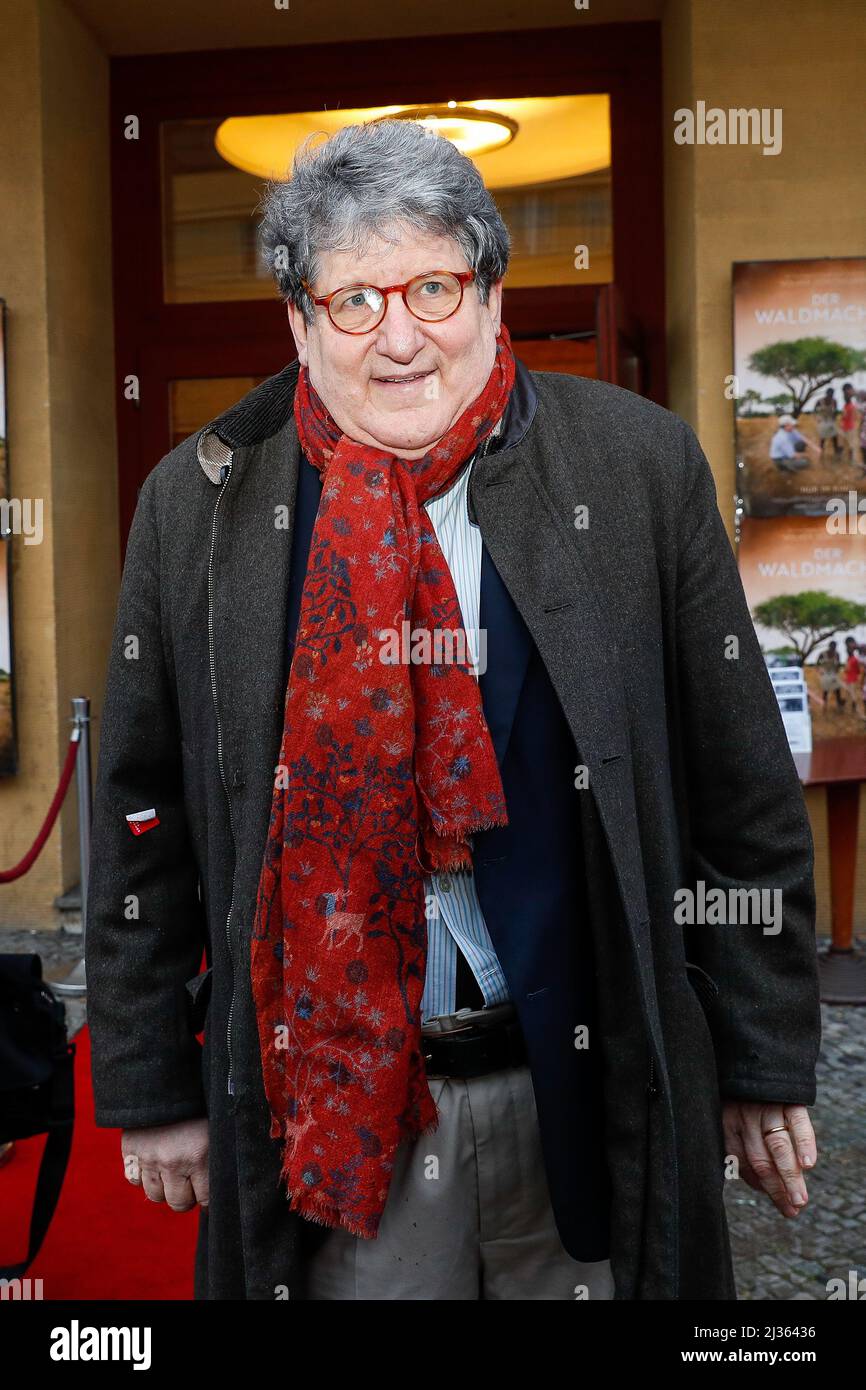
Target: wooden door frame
[{"x": 151, "y": 337}]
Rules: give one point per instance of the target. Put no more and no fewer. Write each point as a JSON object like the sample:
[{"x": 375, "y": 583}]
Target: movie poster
[
  {"x": 800, "y": 384},
  {"x": 8, "y": 760},
  {"x": 800, "y": 434},
  {"x": 806, "y": 590}
]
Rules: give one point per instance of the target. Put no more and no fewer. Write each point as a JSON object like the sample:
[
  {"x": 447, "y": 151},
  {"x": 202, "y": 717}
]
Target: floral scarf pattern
[{"x": 386, "y": 769}]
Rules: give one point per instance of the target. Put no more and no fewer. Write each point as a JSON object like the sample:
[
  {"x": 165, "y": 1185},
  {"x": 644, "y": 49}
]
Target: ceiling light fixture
[{"x": 472, "y": 130}]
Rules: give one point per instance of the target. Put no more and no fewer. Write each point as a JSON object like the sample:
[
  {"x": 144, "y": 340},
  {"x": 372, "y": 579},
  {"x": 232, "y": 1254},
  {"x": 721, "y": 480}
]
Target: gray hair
[{"x": 372, "y": 180}]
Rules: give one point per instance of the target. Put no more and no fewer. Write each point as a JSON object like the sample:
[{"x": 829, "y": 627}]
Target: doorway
[{"x": 198, "y": 322}]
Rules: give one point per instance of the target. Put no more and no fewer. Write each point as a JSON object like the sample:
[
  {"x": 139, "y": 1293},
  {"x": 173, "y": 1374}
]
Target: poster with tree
[
  {"x": 799, "y": 391},
  {"x": 799, "y": 384},
  {"x": 807, "y": 595}
]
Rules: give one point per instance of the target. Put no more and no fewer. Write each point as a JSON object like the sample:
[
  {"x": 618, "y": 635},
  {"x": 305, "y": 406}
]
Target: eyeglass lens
[{"x": 428, "y": 297}]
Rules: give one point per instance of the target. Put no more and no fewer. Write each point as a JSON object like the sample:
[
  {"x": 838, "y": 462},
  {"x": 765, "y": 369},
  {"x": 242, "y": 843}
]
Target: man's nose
[{"x": 399, "y": 334}]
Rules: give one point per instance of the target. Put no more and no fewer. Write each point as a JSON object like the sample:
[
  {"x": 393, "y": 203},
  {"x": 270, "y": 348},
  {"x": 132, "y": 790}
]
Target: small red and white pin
[{"x": 140, "y": 821}]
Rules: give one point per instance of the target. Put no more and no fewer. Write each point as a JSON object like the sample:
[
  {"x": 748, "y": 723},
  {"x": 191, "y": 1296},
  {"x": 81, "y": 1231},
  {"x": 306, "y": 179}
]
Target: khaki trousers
[{"x": 468, "y": 1214}]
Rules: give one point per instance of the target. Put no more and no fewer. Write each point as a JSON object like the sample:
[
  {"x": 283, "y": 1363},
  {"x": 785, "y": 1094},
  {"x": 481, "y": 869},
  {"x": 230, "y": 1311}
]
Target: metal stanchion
[{"x": 76, "y": 982}]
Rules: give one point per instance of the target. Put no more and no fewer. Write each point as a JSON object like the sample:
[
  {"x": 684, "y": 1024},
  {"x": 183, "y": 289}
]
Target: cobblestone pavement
[
  {"x": 776, "y": 1258},
  {"x": 773, "y": 1258}
]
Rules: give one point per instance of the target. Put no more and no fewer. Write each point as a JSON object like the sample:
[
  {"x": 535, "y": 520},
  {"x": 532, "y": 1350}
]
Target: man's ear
[
  {"x": 298, "y": 325},
  {"x": 494, "y": 304}
]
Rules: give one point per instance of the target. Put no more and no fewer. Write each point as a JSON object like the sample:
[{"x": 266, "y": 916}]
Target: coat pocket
[{"x": 199, "y": 990}]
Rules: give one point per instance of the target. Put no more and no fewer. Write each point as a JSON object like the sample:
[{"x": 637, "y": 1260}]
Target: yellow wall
[
  {"x": 729, "y": 203},
  {"x": 55, "y": 274}
]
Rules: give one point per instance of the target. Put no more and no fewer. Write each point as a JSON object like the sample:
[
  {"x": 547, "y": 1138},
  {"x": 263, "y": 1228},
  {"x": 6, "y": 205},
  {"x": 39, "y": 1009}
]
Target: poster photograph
[
  {"x": 799, "y": 384},
  {"x": 8, "y": 760},
  {"x": 806, "y": 589}
]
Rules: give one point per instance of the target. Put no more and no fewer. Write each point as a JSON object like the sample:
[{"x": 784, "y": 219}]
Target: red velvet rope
[{"x": 7, "y": 875}]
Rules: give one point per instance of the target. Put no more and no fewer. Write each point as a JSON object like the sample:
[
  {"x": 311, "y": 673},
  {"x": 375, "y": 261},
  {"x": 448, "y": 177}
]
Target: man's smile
[{"x": 402, "y": 381}]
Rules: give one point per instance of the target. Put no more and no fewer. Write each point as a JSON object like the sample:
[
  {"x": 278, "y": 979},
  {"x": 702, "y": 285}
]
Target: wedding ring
[{"x": 777, "y": 1129}]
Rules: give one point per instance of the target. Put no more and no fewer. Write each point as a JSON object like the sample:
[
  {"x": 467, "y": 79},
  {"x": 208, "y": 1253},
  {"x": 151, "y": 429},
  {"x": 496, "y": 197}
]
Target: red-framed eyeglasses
[{"x": 431, "y": 297}]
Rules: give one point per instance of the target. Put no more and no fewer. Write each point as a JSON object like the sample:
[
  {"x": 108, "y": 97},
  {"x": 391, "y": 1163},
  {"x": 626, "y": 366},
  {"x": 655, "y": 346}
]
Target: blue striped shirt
[{"x": 454, "y": 917}]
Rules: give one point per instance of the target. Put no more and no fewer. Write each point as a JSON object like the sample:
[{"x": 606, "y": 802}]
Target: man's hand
[
  {"x": 169, "y": 1162},
  {"x": 773, "y": 1144}
]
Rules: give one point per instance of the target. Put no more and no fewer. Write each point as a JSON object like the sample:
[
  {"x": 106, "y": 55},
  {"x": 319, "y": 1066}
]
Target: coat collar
[{"x": 259, "y": 415}]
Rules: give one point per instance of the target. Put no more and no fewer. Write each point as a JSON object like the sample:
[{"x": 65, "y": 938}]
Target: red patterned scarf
[{"x": 385, "y": 772}]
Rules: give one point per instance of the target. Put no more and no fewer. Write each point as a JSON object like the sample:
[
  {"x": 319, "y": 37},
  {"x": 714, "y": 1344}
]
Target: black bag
[{"x": 37, "y": 1093}]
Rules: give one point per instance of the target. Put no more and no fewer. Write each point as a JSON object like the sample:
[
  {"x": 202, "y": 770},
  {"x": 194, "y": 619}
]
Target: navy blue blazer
[{"x": 529, "y": 876}]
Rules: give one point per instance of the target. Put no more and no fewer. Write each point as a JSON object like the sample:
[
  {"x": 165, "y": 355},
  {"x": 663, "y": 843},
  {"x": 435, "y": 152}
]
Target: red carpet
[{"x": 106, "y": 1239}]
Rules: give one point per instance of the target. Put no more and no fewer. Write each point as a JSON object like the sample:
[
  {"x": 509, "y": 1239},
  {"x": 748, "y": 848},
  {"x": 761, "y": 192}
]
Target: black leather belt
[{"x": 474, "y": 1049}]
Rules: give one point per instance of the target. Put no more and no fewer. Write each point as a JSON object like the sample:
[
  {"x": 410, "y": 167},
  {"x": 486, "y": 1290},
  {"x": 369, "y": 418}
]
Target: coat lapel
[
  {"x": 508, "y": 648},
  {"x": 252, "y": 554},
  {"x": 549, "y": 573}
]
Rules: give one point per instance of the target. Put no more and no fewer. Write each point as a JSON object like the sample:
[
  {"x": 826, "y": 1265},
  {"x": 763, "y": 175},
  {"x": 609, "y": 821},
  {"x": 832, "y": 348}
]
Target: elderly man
[
  {"x": 492, "y": 1004},
  {"x": 788, "y": 446}
]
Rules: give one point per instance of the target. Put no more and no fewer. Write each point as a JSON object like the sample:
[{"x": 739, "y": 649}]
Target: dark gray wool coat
[{"x": 690, "y": 780}]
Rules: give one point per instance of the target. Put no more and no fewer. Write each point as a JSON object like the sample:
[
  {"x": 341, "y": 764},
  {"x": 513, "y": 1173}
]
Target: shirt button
[{"x": 445, "y": 883}]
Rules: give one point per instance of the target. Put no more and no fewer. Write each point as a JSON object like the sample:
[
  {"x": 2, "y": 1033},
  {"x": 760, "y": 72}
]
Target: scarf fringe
[
  {"x": 443, "y": 855},
  {"x": 313, "y": 1206},
  {"x": 304, "y": 1204}
]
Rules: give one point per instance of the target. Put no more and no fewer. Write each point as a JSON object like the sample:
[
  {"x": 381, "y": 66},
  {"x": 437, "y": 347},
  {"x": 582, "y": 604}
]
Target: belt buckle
[{"x": 447, "y": 1032}]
